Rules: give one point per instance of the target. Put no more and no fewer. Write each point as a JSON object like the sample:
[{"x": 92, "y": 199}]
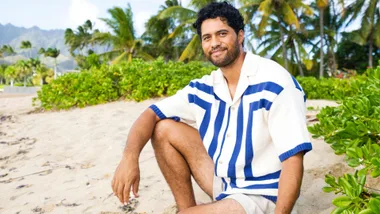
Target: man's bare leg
[
  {"x": 225, "y": 206},
  {"x": 180, "y": 153}
]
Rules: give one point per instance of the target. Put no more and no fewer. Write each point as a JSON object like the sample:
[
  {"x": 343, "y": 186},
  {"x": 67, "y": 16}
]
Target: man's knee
[{"x": 161, "y": 131}]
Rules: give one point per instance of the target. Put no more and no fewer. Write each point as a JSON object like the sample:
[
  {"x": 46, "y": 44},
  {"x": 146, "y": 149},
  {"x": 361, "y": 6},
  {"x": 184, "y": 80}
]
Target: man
[{"x": 247, "y": 153}]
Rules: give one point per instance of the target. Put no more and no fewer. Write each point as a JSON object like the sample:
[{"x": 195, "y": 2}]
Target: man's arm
[
  {"x": 127, "y": 174},
  {"x": 290, "y": 183}
]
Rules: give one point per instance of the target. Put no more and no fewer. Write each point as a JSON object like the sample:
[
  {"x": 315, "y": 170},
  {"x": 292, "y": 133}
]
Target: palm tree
[
  {"x": 295, "y": 45},
  {"x": 186, "y": 17},
  {"x": 23, "y": 70},
  {"x": 157, "y": 32},
  {"x": 11, "y": 74},
  {"x": 26, "y": 45},
  {"x": 332, "y": 26},
  {"x": 53, "y": 53},
  {"x": 8, "y": 50},
  {"x": 123, "y": 39},
  {"x": 2, "y": 74},
  {"x": 42, "y": 72},
  {"x": 321, "y": 4},
  {"x": 80, "y": 39},
  {"x": 369, "y": 13},
  {"x": 282, "y": 10},
  {"x": 34, "y": 64}
]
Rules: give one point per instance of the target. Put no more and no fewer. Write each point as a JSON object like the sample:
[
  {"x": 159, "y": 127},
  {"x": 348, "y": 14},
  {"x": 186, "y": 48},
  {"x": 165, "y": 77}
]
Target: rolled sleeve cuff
[
  {"x": 161, "y": 115},
  {"x": 158, "y": 112},
  {"x": 306, "y": 147}
]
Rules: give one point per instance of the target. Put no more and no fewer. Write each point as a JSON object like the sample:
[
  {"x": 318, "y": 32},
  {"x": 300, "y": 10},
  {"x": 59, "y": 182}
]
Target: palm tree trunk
[
  {"x": 299, "y": 64},
  {"x": 41, "y": 81},
  {"x": 321, "y": 35},
  {"x": 25, "y": 81},
  {"x": 370, "y": 51},
  {"x": 12, "y": 82},
  {"x": 283, "y": 48},
  {"x": 334, "y": 66},
  {"x": 55, "y": 68}
]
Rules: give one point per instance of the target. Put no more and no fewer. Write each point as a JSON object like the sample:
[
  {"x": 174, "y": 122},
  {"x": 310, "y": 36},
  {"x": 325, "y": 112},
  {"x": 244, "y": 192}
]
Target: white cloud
[
  {"x": 140, "y": 19},
  {"x": 83, "y": 10}
]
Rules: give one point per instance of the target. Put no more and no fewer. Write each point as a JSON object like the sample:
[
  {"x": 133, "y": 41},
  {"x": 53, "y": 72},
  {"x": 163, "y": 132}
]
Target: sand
[{"x": 63, "y": 162}]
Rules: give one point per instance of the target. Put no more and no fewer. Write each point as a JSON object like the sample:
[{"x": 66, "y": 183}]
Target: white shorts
[{"x": 252, "y": 204}]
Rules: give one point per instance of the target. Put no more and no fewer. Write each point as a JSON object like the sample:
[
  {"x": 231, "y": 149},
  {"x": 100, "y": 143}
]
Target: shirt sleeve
[
  {"x": 175, "y": 107},
  {"x": 287, "y": 123}
]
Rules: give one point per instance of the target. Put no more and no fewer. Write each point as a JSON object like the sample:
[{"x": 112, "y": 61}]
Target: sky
[{"x": 62, "y": 14}]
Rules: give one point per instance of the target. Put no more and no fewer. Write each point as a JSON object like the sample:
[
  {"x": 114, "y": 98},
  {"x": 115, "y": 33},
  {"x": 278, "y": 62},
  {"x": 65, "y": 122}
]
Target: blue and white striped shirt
[{"x": 247, "y": 137}]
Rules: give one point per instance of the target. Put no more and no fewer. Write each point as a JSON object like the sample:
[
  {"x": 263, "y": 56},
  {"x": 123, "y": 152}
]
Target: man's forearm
[
  {"x": 289, "y": 184},
  {"x": 140, "y": 134}
]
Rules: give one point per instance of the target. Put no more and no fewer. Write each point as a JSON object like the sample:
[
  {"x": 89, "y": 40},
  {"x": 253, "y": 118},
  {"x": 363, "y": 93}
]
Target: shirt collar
[{"x": 249, "y": 69}]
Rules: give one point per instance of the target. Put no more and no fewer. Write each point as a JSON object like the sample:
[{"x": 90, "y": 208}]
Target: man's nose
[{"x": 215, "y": 42}]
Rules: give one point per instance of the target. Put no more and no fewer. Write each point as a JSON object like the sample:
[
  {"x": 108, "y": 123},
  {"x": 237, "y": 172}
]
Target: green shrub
[
  {"x": 138, "y": 80},
  {"x": 327, "y": 88},
  {"x": 353, "y": 129}
]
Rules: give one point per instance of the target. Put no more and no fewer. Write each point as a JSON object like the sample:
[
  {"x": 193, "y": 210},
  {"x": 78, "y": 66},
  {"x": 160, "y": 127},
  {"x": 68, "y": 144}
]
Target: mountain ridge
[{"x": 40, "y": 38}]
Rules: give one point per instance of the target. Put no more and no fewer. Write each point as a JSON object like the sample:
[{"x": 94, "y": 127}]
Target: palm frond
[{"x": 191, "y": 49}]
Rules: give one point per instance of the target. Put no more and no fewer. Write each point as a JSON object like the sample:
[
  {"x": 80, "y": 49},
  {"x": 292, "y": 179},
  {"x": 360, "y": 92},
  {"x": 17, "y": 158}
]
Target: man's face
[{"x": 220, "y": 43}]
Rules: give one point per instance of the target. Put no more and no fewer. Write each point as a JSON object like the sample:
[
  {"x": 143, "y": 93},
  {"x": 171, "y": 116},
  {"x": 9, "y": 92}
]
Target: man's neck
[{"x": 232, "y": 71}]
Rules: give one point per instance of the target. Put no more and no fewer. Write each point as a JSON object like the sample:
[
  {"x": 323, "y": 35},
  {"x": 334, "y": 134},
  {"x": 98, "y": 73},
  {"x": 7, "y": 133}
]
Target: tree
[
  {"x": 2, "y": 74},
  {"x": 11, "y": 74},
  {"x": 351, "y": 55},
  {"x": 156, "y": 36},
  {"x": 295, "y": 45},
  {"x": 53, "y": 53},
  {"x": 34, "y": 64},
  {"x": 43, "y": 73},
  {"x": 7, "y": 50},
  {"x": 281, "y": 10},
  {"x": 123, "y": 39},
  {"x": 368, "y": 11},
  {"x": 23, "y": 70},
  {"x": 321, "y": 4},
  {"x": 26, "y": 45},
  {"x": 81, "y": 38}
]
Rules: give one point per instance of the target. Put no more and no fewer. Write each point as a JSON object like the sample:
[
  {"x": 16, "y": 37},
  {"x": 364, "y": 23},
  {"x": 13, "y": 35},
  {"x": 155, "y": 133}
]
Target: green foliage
[
  {"x": 353, "y": 129},
  {"x": 353, "y": 56},
  {"x": 87, "y": 62},
  {"x": 137, "y": 80},
  {"x": 328, "y": 88}
]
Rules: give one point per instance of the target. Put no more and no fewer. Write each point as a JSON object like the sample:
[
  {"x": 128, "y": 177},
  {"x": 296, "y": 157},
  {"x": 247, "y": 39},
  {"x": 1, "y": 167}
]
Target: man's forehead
[{"x": 214, "y": 25}]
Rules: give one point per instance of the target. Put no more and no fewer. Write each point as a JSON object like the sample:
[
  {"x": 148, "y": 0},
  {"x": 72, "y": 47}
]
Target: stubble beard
[{"x": 229, "y": 58}]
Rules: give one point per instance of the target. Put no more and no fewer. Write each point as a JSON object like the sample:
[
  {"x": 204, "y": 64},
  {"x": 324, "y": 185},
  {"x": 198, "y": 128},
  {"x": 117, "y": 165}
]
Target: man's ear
[{"x": 241, "y": 36}]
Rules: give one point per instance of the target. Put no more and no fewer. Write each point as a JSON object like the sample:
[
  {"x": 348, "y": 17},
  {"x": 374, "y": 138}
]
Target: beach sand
[{"x": 63, "y": 161}]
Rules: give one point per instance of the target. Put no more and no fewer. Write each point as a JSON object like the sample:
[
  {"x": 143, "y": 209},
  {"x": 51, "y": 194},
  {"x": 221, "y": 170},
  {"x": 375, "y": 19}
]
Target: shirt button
[
  {"x": 220, "y": 162},
  {"x": 228, "y": 135}
]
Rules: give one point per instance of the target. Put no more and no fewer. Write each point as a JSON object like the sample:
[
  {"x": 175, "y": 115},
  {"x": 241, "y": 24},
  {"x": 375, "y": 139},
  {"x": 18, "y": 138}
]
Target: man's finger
[
  {"x": 126, "y": 193},
  {"x": 113, "y": 185},
  {"x": 120, "y": 189},
  {"x": 135, "y": 187}
]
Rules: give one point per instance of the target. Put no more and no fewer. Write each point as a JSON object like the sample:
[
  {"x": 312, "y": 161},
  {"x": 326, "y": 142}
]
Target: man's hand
[{"x": 127, "y": 176}]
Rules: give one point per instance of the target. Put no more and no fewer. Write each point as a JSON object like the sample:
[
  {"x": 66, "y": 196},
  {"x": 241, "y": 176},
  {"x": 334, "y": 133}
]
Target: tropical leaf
[
  {"x": 178, "y": 12},
  {"x": 289, "y": 16},
  {"x": 191, "y": 49}
]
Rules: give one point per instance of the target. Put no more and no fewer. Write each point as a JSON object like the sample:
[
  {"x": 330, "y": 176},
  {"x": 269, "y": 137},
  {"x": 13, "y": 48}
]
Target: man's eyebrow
[{"x": 219, "y": 31}]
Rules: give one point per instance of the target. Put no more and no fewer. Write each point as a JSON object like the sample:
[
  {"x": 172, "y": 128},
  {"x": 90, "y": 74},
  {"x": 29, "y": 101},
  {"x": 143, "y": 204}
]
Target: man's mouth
[{"x": 217, "y": 51}]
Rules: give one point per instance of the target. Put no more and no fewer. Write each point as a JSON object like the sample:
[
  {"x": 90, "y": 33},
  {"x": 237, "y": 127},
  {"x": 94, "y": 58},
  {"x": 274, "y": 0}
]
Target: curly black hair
[{"x": 223, "y": 10}]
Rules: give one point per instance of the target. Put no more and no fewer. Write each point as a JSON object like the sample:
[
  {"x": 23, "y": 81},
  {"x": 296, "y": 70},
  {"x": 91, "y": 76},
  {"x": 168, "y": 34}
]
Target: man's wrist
[{"x": 130, "y": 156}]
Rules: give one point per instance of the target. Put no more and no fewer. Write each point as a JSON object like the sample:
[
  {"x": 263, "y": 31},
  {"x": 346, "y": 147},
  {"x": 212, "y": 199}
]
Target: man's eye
[
  {"x": 223, "y": 34},
  {"x": 206, "y": 38}
]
